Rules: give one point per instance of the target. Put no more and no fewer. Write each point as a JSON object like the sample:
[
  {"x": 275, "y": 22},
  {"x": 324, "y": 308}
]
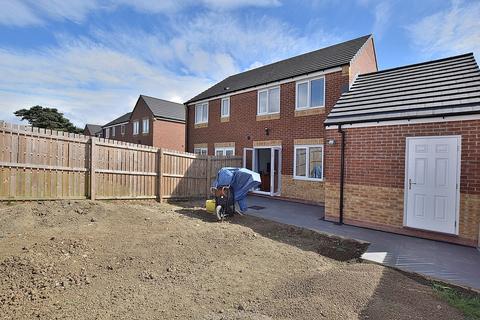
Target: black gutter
[
  {"x": 342, "y": 173},
  {"x": 186, "y": 128}
]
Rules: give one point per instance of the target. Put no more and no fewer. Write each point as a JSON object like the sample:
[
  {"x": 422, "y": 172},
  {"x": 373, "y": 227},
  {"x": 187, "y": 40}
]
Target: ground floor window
[
  {"x": 201, "y": 151},
  {"x": 308, "y": 162},
  {"x": 228, "y": 151}
]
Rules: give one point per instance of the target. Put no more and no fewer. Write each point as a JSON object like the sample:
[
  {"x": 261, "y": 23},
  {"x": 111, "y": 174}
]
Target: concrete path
[{"x": 448, "y": 262}]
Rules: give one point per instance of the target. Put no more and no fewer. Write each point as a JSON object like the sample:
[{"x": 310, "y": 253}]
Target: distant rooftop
[{"x": 165, "y": 109}]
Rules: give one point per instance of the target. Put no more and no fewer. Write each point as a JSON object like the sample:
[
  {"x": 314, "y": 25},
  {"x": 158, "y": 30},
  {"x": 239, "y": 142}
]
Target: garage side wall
[{"x": 375, "y": 175}]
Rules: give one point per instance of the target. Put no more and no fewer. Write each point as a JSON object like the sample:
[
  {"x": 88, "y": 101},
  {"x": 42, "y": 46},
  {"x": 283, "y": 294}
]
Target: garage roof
[
  {"x": 322, "y": 59},
  {"x": 437, "y": 88}
]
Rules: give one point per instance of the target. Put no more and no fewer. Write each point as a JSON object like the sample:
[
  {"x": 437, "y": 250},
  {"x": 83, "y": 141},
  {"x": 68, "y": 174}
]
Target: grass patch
[{"x": 469, "y": 304}]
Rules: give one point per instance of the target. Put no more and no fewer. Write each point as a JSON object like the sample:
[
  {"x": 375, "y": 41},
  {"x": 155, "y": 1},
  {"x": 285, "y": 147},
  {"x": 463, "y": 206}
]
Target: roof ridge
[
  {"x": 144, "y": 95},
  {"x": 417, "y": 64}
]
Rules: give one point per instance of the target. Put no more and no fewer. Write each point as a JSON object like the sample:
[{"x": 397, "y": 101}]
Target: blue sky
[{"x": 92, "y": 58}]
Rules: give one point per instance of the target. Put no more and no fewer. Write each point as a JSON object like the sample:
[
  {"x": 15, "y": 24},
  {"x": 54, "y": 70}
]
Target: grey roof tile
[
  {"x": 165, "y": 109},
  {"x": 122, "y": 119},
  {"x": 448, "y": 86},
  {"x": 322, "y": 59}
]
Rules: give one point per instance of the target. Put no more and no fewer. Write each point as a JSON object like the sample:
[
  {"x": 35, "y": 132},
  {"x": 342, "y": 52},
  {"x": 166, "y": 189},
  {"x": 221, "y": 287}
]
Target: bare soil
[{"x": 145, "y": 260}]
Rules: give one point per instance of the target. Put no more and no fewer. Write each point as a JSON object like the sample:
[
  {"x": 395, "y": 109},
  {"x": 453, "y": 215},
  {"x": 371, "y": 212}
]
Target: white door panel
[{"x": 431, "y": 183}]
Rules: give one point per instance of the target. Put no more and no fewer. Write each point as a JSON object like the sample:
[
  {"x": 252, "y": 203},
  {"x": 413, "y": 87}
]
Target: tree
[{"x": 48, "y": 118}]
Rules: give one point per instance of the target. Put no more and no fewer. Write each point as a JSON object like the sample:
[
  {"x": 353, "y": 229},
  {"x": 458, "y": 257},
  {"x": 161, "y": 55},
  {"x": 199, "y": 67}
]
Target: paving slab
[{"x": 444, "y": 261}]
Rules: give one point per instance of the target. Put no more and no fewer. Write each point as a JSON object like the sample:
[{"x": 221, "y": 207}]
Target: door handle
[{"x": 410, "y": 184}]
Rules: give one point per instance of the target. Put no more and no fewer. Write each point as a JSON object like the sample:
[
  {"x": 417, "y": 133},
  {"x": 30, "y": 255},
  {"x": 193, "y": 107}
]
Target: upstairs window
[
  {"x": 113, "y": 131},
  {"x": 136, "y": 126},
  {"x": 268, "y": 101},
  {"x": 225, "y": 109},
  {"x": 201, "y": 113},
  {"x": 145, "y": 125},
  {"x": 308, "y": 162},
  {"x": 107, "y": 133},
  {"x": 122, "y": 129},
  {"x": 310, "y": 94}
]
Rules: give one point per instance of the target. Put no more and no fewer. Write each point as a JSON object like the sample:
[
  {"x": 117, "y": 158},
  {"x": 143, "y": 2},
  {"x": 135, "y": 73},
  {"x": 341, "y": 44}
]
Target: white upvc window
[
  {"x": 122, "y": 129},
  {"x": 225, "y": 108},
  {"x": 225, "y": 151},
  {"x": 268, "y": 101},
  {"x": 145, "y": 125},
  {"x": 136, "y": 126},
  {"x": 107, "y": 133},
  {"x": 201, "y": 113},
  {"x": 308, "y": 162},
  {"x": 310, "y": 93},
  {"x": 113, "y": 131},
  {"x": 200, "y": 151}
]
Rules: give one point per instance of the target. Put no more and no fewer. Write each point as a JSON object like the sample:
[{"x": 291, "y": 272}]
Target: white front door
[{"x": 431, "y": 183}]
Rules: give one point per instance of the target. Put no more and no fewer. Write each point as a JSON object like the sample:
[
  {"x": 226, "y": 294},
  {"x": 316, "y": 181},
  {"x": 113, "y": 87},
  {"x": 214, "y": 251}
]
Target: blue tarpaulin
[{"x": 240, "y": 180}]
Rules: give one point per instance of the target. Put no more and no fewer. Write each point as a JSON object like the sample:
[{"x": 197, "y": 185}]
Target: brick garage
[
  {"x": 375, "y": 176},
  {"x": 387, "y": 181}
]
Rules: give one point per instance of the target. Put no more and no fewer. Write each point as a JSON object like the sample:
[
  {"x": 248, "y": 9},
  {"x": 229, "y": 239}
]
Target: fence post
[
  {"x": 160, "y": 175},
  {"x": 209, "y": 173},
  {"x": 93, "y": 157}
]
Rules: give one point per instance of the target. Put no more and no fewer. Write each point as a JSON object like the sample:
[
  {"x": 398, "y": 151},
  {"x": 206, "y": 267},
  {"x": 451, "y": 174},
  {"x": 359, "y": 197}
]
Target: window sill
[
  {"x": 201, "y": 125},
  {"x": 309, "y": 111},
  {"x": 268, "y": 116},
  {"x": 307, "y": 179},
  {"x": 225, "y": 119}
]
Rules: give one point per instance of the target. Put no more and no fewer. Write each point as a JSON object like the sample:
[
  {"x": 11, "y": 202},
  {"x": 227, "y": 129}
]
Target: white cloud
[
  {"x": 16, "y": 13},
  {"x": 382, "y": 13},
  {"x": 448, "y": 32}
]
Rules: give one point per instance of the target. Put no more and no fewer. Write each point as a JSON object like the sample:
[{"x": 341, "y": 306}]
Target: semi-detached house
[
  {"x": 274, "y": 116},
  {"x": 395, "y": 150}
]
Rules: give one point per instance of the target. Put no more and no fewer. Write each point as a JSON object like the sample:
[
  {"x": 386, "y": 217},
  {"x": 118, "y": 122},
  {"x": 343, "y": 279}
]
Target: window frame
[
  {"x": 203, "y": 105},
  {"x": 201, "y": 149},
  {"x": 307, "y": 162},
  {"x": 268, "y": 100},
  {"x": 122, "y": 129},
  {"x": 224, "y": 151},
  {"x": 221, "y": 108},
  {"x": 107, "y": 133},
  {"x": 113, "y": 131},
  {"x": 147, "y": 121},
  {"x": 135, "y": 124},
  {"x": 309, "y": 93}
]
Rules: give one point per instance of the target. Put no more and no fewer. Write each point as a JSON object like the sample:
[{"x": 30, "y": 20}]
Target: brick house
[
  {"x": 154, "y": 122},
  {"x": 411, "y": 154},
  {"x": 274, "y": 116},
  {"x": 94, "y": 130}
]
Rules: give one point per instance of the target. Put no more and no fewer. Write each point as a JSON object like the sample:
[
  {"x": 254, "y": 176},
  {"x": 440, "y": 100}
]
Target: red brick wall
[
  {"x": 168, "y": 134},
  {"x": 243, "y": 124},
  {"x": 375, "y": 156},
  {"x": 375, "y": 175},
  {"x": 365, "y": 61}
]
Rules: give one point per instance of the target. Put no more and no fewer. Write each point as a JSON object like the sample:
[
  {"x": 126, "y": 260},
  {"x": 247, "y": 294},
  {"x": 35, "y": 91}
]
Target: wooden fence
[{"x": 40, "y": 164}]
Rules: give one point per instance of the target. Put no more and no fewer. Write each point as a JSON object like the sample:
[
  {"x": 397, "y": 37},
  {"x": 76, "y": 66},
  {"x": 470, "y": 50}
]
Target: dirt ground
[{"x": 145, "y": 260}]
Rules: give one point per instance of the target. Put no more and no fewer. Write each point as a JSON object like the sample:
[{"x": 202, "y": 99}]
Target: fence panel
[
  {"x": 39, "y": 164},
  {"x": 125, "y": 171}
]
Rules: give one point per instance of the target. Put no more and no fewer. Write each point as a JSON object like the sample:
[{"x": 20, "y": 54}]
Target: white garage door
[{"x": 431, "y": 183}]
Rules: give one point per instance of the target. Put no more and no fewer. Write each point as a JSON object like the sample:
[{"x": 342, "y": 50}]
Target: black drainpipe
[{"x": 342, "y": 172}]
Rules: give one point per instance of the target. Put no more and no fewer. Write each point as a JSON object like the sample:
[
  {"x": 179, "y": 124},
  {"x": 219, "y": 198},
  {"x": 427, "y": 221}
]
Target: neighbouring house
[
  {"x": 411, "y": 151},
  {"x": 274, "y": 116},
  {"x": 154, "y": 122},
  {"x": 93, "y": 130}
]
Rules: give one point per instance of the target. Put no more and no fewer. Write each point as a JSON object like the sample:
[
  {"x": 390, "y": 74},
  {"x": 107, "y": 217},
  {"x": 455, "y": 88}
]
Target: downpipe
[{"x": 342, "y": 173}]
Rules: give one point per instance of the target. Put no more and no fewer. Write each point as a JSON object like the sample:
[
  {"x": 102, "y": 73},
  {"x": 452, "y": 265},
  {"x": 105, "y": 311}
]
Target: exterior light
[{"x": 331, "y": 142}]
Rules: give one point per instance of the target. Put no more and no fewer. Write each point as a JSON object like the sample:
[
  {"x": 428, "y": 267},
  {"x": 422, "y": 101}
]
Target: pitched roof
[
  {"x": 322, "y": 59},
  {"x": 122, "y": 119},
  {"x": 165, "y": 109},
  {"x": 93, "y": 128},
  {"x": 436, "y": 88}
]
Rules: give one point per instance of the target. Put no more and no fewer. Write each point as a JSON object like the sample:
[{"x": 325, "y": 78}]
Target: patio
[{"x": 448, "y": 262}]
